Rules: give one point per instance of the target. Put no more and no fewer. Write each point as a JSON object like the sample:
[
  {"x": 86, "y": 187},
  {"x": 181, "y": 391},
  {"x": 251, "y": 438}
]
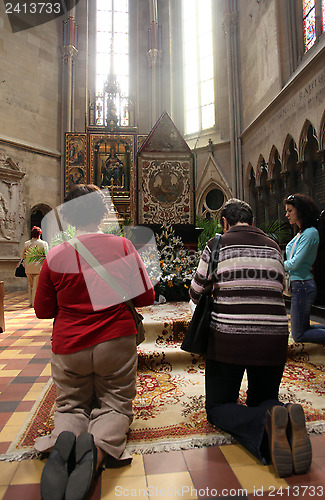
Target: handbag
[
  {"x": 197, "y": 335},
  {"x": 108, "y": 278},
  {"x": 286, "y": 280},
  {"x": 20, "y": 270}
]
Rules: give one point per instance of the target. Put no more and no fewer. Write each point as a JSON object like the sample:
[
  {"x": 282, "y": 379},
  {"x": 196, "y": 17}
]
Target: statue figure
[{"x": 112, "y": 171}]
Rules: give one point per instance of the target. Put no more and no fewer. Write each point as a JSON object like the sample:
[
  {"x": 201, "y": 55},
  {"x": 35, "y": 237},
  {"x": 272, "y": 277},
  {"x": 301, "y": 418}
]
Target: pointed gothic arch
[
  {"x": 308, "y": 135},
  {"x": 289, "y": 162},
  {"x": 250, "y": 184},
  {"x": 308, "y": 155},
  {"x": 37, "y": 214},
  {"x": 322, "y": 133},
  {"x": 261, "y": 170}
]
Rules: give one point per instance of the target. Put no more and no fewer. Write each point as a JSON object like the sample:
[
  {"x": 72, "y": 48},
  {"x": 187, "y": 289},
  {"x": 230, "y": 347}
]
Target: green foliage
[
  {"x": 35, "y": 254},
  {"x": 69, "y": 233},
  {"x": 117, "y": 227},
  {"x": 277, "y": 230},
  {"x": 172, "y": 264},
  {"x": 63, "y": 236},
  {"x": 210, "y": 228}
]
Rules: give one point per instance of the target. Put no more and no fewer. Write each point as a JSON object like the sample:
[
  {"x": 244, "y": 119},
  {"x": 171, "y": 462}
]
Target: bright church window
[
  {"x": 112, "y": 43},
  {"x": 309, "y": 17},
  {"x": 198, "y": 65},
  {"x": 323, "y": 16}
]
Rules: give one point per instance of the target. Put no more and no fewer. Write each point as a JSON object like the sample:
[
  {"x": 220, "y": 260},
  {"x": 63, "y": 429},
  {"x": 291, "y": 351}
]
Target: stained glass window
[
  {"x": 117, "y": 44},
  {"x": 323, "y": 16},
  {"x": 198, "y": 65},
  {"x": 309, "y": 17}
]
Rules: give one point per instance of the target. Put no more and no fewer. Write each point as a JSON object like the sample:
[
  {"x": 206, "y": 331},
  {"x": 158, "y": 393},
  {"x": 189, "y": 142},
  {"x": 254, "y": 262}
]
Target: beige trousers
[
  {"x": 95, "y": 389},
  {"x": 32, "y": 280}
]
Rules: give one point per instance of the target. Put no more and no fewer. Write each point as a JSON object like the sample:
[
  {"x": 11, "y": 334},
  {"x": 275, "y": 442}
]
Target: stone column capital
[
  {"x": 69, "y": 53},
  {"x": 154, "y": 57}
]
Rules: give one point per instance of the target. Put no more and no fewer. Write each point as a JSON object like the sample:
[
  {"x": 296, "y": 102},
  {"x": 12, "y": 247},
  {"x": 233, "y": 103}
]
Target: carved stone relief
[{"x": 12, "y": 207}]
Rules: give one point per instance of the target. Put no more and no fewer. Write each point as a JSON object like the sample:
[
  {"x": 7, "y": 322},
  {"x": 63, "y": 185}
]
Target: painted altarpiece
[{"x": 106, "y": 160}]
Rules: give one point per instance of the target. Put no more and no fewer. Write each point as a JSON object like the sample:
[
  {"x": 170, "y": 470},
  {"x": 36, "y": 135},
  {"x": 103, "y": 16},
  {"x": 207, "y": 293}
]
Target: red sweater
[{"x": 85, "y": 309}]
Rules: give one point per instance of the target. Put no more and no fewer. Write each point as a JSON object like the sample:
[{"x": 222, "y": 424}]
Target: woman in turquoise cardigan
[{"x": 301, "y": 253}]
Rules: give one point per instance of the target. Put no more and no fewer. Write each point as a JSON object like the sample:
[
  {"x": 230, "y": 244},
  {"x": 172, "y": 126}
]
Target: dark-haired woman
[
  {"x": 301, "y": 253},
  {"x": 94, "y": 358},
  {"x": 33, "y": 269}
]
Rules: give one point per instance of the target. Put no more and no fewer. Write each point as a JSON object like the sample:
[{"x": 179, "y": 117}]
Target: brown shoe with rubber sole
[
  {"x": 276, "y": 428},
  {"x": 299, "y": 439}
]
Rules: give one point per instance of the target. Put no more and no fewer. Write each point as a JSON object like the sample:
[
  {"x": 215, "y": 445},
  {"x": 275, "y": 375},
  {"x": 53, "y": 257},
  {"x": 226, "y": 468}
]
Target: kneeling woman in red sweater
[{"x": 94, "y": 358}]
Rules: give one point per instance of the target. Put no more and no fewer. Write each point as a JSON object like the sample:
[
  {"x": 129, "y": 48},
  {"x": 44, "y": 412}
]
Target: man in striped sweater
[{"x": 249, "y": 331}]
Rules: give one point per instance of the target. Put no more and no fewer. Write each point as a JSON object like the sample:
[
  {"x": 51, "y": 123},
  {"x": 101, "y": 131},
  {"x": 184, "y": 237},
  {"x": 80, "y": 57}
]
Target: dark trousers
[{"x": 246, "y": 423}]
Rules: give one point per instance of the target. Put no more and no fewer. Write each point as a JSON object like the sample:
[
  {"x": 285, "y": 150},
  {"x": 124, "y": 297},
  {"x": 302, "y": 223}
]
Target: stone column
[
  {"x": 69, "y": 53},
  {"x": 154, "y": 57},
  {"x": 230, "y": 26}
]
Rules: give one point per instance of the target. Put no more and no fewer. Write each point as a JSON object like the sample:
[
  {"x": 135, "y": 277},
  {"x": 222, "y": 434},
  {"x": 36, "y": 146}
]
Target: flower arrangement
[{"x": 176, "y": 268}]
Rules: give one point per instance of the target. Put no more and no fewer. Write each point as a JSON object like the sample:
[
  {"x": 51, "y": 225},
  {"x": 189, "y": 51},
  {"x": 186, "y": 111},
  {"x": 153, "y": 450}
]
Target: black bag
[
  {"x": 20, "y": 270},
  {"x": 138, "y": 318},
  {"x": 197, "y": 335}
]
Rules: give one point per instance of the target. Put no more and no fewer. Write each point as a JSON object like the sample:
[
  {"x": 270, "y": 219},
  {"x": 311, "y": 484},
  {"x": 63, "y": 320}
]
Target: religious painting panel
[
  {"x": 75, "y": 160},
  {"x": 165, "y": 191},
  {"x": 112, "y": 166}
]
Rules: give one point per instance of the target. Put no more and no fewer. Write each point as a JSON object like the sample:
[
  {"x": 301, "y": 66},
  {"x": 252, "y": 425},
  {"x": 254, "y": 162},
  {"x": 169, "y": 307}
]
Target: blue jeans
[{"x": 303, "y": 296}]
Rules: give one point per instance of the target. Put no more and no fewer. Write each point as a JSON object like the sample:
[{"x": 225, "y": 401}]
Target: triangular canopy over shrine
[{"x": 165, "y": 137}]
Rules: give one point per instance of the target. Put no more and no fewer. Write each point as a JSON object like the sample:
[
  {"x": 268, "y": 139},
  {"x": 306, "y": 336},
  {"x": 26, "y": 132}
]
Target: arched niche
[
  {"x": 262, "y": 189},
  {"x": 37, "y": 214},
  {"x": 251, "y": 186},
  {"x": 322, "y": 142}
]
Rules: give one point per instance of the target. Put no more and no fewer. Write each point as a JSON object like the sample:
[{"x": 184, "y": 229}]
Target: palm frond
[
  {"x": 35, "y": 254},
  {"x": 278, "y": 230},
  {"x": 63, "y": 236},
  {"x": 210, "y": 228}
]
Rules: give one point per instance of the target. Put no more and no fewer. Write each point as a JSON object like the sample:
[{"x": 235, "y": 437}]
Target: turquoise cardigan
[{"x": 304, "y": 255}]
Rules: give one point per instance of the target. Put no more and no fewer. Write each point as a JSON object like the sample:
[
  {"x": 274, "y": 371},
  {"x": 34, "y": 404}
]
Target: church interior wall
[
  {"x": 30, "y": 123},
  {"x": 302, "y": 100},
  {"x": 259, "y": 57},
  {"x": 30, "y": 84}
]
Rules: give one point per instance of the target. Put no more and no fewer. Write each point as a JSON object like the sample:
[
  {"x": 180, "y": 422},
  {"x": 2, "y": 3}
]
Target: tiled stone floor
[{"x": 225, "y": 472}]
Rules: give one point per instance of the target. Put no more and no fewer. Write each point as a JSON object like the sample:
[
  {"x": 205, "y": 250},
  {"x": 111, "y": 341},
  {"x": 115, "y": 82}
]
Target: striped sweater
[{"x": 248, "y": 324}]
